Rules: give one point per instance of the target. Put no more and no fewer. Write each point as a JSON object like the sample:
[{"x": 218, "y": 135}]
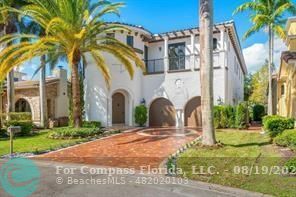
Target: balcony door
[{"x": 177, "y": 56}]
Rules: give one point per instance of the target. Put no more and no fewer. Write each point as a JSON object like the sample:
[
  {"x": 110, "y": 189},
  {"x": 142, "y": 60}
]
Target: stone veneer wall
[{"x": 31, "y": 95}]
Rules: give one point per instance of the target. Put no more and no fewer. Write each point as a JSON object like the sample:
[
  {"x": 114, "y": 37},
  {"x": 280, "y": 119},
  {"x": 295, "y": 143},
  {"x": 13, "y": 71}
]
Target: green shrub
[
  {"x": 141, "y": 115},
  {"x": 230, "y": 110},
  {"x": 224, "y": 117},
  {"x": 265, "y": 119},
  {"x": 217, "y": 116},
  {"x": 275, "y": 125},
  {"x": 258, "y": 112},
  {"x": 91, "y": 124},
  {"x": 3, "y": 133},
  {"x": 18, "y": 116},
  {"x": 291, "y": 165},
  {"x": 26, "y": 126},
  {"x": 242, "y": 116},
  {"x": 286, "y": 139},
  {"x": 70, "y": 133}
]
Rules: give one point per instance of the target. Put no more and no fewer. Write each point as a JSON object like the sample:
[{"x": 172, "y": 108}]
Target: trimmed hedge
[
  {"x": 73, "y": 133},
  {"x": 242, "y": 116},
  {"x": 26, "y": 126},
  {"x": 141, "y": 115},
  {"x": 22, "y": 119},
  {"x": 275, "y": 125},
  {"x": 286, "y": 139},
  {"x": 91, "y": 124},
  {"x": 258, "y": 112},
  {"x": 18, "y": 116}
]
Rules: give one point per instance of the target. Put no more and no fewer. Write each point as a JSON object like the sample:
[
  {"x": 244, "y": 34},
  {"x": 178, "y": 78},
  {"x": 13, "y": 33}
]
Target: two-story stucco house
[{"x": 170, "y": 88}]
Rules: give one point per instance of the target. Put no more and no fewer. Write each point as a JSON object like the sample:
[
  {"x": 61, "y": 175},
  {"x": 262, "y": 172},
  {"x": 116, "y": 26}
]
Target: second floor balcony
[{"x": 177, "y": 64}]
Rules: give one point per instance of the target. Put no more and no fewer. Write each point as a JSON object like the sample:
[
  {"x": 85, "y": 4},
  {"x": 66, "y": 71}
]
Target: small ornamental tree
[
  {"x": 258, "y": 112},
  {"x": 141, "y": 115}
]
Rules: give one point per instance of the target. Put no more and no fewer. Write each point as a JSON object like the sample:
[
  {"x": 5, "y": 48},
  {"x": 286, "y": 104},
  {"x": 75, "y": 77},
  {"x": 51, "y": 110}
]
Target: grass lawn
[
  {"x": 241, "y": 148},
  {"x": 36, "y": 143}
]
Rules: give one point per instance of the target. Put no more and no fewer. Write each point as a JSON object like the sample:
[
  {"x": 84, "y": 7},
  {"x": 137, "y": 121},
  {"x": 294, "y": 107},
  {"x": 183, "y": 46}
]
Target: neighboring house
[
  {"x": 27, "y": 96},
  {"x": 170, "y": 87},
  {"x": 287, "y": 74}
]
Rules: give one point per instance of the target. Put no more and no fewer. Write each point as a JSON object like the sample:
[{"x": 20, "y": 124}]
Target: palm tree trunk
[
  {"x": 10, "y": 92},
  {"x": 43, "y": 98},
  {"x": 270, "y": 65},
  {"x": 206, "y": 71},
  {"x": 76, "y": 98},
  {"x": 9, "y": 29}
]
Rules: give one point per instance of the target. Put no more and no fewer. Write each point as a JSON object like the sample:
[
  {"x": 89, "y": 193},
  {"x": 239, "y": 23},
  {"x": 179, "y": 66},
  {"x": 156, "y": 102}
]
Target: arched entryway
[
  {"x": 162, "y": 113},
  {"x": 192, "y": 113},
  {"x": 118, "y": 108},
  {"x": 22, "y": 106}
]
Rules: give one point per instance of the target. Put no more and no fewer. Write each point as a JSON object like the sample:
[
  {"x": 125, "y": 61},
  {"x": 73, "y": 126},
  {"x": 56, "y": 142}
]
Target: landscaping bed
[
  {"x": 245, "y": 160},
  {"x": 51, "y": 140}
]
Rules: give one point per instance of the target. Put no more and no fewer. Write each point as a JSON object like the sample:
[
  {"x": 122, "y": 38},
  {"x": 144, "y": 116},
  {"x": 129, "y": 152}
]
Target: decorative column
[
  {"x": 166, "y": 54},
  {"x": 222, "y": 39},
  {"x": 223, "y": 63},
  {"x": 193, "y": 63},
  {"x": 180, "y": 119}
]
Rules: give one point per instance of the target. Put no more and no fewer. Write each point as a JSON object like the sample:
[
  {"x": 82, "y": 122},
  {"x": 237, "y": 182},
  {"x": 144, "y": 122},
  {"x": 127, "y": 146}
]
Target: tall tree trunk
[
  {"x": 270, "y": 65},
  {"x": 206, "y": 71},
  {"x": 9, "y": 29},
  {"x": 42, "y": 91},
  {"x": 76, "y": 97},
  {"x": 10, "y": 92}
]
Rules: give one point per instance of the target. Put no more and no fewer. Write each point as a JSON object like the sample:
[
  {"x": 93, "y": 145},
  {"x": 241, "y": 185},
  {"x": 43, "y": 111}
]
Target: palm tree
[
  {"x": 206, "y": 71},
  {"x": 268, "y": 14},
  {"x": 74, "y": 28}
]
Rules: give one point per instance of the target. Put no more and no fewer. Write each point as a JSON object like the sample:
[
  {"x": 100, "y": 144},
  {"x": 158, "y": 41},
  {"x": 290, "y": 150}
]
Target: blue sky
[{"x": 166, "y": 15}]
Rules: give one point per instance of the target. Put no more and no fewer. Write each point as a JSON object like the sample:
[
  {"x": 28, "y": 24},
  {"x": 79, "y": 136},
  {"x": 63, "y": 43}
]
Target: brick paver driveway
[{"x": 132, "y": 149}]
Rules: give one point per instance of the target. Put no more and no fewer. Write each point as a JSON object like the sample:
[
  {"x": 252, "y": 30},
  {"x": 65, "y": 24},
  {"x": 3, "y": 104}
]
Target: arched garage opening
[
  {"x": 192, "y": 113},
  {"x": 22, "y": 106},
  {"x": 162, "y": 113}
]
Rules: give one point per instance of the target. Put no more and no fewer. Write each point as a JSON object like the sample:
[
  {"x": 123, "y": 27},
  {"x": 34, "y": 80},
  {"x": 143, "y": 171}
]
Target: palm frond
[
  {"x": 250, "y": 6},
  {"x": 254, "y": 29},
  {"x": 280, "y": 31}
]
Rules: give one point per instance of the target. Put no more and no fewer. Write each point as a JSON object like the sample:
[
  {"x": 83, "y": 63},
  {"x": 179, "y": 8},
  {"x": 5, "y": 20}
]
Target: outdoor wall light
[{"x": 143, "y": 102}]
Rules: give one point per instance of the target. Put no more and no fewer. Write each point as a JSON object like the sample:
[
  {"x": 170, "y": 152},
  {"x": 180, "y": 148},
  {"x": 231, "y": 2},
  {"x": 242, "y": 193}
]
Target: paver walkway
[{"x": 125, "y": 150}]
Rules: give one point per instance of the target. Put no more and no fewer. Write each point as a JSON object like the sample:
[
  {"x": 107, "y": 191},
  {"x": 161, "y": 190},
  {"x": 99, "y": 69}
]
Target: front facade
[
  {"x": 286, "y": 90},
  {"x": 170, "y": 87}
]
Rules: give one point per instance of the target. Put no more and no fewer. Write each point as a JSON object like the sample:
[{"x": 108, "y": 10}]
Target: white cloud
[{"x": 256, "y": 54}]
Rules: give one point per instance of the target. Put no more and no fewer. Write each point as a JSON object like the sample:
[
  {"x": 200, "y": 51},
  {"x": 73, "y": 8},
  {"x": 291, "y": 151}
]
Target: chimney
[{"x": 60, "y": 73}]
